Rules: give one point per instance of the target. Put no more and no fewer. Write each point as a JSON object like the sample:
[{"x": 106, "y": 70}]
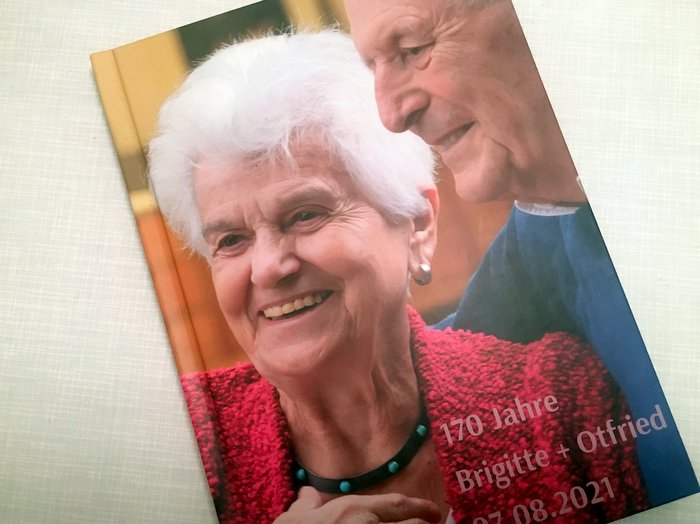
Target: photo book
[{"x": 355, "y": 336}]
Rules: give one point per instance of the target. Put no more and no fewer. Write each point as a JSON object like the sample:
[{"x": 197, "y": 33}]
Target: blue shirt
[{"x": 553, "y": 273}]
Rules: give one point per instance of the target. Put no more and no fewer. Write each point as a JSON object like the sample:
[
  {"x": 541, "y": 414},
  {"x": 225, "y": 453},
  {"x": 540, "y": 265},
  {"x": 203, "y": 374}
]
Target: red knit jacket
[{"x": 246, "y": 449}]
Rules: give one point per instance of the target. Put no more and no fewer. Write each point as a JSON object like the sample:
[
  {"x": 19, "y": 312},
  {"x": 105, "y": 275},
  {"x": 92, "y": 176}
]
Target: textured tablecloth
[{"x": 93, "y": 426}]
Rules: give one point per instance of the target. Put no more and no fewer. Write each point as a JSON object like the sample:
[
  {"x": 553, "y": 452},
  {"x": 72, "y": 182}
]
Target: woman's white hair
[{"x": 253, "y": 99}]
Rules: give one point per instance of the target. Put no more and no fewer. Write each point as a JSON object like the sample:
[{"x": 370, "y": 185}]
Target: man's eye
[
  {"x": 304, "y": 216},
  {"x": 416, "y": 54}
]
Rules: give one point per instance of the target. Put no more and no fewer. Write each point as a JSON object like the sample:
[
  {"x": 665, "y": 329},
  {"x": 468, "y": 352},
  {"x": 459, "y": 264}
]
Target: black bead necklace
[{"x": 304, "y": 477}]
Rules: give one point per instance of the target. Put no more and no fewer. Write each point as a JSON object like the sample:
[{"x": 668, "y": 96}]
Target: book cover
[{"x": 535, "y": 399}]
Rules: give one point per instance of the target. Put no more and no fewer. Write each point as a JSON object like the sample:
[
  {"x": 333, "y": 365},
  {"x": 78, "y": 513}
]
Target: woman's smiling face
[{"x": 306, "y": 271}]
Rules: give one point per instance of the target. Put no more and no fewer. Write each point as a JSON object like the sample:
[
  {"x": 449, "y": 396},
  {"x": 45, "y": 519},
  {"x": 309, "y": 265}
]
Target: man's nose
[
  {"x": 400, "y": 103},
  {"x": 274, "y": 263}
]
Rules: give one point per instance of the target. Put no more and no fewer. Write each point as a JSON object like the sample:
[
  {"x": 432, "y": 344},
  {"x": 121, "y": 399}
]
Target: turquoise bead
[
  {"x": 422, "y": 430},
  {"x": 301, "y": 474},
  {"x": 344, "y": 486},
  {"x": 393, "y": 466}
]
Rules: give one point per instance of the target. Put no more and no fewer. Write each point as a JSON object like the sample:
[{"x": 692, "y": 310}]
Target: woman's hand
[{"x": 359, "y": 509}]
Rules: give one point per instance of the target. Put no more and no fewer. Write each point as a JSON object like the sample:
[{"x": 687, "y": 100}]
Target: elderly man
[{"x": 459, "y": 74}]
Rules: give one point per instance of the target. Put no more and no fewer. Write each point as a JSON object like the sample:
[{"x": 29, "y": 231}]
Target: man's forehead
[{"x": 380, "y": 23}]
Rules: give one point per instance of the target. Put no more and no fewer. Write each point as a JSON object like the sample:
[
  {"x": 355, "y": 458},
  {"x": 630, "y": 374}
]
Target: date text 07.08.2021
[{"x": 538, "y": 510}]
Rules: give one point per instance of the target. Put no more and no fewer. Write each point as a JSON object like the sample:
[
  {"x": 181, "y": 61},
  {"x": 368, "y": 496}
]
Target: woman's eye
[
  {"x": 232, "y": 244},
  {"x": 304, "y": 220},
  {"x": 230, "y": 241}
]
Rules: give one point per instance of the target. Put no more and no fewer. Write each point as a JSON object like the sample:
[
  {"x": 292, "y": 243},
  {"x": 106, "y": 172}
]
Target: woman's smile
[{"x": 297, "y": 306}]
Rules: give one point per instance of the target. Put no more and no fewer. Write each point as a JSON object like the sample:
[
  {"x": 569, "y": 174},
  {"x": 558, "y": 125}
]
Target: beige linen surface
[{"x": 92, "y": 423}]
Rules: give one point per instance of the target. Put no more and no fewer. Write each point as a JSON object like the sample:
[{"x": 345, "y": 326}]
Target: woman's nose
[{"x": 274, "y": 263}]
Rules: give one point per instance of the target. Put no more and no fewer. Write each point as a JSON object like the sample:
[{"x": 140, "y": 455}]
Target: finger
[
  {"x": 307, "y": 498},
  {"x": 397, "y": 508}
]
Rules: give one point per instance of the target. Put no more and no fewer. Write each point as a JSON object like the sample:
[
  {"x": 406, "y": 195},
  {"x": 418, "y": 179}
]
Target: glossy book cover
[{"x": 364, "y": 334}]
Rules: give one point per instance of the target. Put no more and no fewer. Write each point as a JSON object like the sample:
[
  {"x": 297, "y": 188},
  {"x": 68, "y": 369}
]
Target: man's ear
[{"x": 424, "y": 235}]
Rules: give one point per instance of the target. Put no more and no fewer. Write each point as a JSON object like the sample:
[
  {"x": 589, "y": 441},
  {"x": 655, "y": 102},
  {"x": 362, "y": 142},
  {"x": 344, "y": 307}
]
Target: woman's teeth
[{"x": 295, "y": 305}]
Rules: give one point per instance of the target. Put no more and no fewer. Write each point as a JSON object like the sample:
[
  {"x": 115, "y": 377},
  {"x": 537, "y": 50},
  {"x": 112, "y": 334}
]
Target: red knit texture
[{"x": 245, "y": 442}]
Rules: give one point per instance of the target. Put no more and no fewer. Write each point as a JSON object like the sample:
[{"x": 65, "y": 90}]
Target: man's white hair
[{"x": 252, "y": 100}]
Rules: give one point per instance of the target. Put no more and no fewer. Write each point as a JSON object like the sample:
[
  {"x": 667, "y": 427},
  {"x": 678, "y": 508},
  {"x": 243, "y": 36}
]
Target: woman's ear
[{"x": 424, "y": 234}]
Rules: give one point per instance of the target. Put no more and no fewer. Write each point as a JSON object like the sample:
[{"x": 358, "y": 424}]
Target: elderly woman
[{"x": 272, "y": 163}]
